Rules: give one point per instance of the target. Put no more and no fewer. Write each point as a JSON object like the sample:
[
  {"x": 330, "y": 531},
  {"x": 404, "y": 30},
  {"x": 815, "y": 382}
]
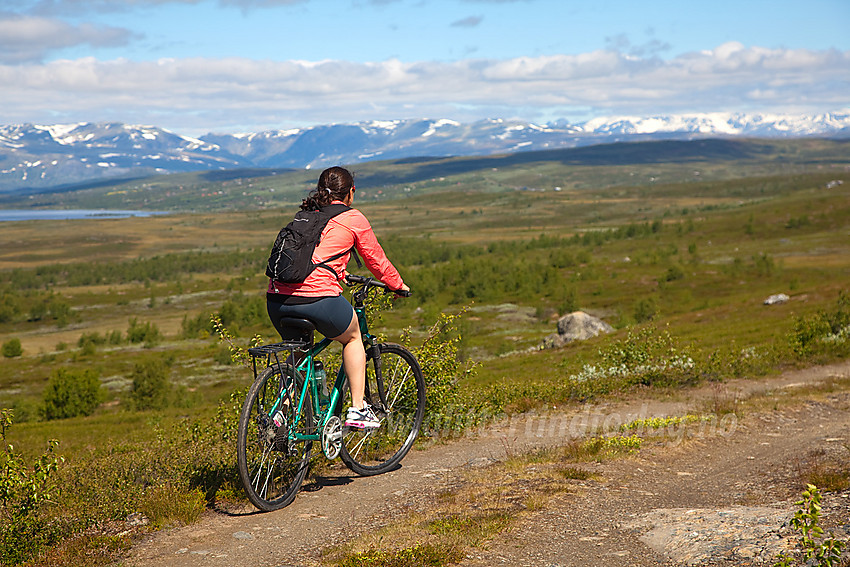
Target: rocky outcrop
[{"x": 576, "y": 326}]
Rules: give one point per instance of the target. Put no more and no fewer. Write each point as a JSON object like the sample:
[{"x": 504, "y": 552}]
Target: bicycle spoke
[
  {"x": 260, "y": 467},
  {"x": 355, "y": 450},
  {"x": 270, "y": 465},
  {"x": 398, "y": 390},
  {"x": 372, "y": 451}
]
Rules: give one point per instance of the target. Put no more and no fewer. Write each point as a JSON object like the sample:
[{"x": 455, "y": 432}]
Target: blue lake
[{"x": 60, "y": 214}]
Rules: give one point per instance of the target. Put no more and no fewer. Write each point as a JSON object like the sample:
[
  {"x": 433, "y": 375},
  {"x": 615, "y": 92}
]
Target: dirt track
[{"x": 718, "y": 499}]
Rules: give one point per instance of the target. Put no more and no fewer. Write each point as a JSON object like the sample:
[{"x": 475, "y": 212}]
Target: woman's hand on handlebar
[
  {"x": 352, "y": 279},
  {"x": 403, "y": 291}
]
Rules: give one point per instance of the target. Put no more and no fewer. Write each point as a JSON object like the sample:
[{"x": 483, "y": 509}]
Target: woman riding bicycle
[{"x": 319, "y": 297}]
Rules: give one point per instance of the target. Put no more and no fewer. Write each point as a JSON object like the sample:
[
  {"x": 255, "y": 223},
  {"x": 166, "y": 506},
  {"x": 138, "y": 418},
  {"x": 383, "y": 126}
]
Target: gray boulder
[
  {"x": 776, "y": 299},
  {"x": 576, "y": 326}
]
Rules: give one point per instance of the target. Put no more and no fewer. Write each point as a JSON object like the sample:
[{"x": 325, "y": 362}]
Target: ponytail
[{"x": 334, "y": 184}]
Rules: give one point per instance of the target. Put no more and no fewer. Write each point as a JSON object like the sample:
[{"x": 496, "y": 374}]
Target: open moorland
[{"x": 108, "y": 346}]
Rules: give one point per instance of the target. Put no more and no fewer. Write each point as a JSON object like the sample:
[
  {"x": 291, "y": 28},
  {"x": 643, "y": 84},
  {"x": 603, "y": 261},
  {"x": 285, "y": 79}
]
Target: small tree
[
  {"x": 813, "y": 548},
  {"x": 23, "y": 491},
  {"x": 12, "y": 348},
  {"x": 150, "y": 389},
  {"x": 70, "y": 393},
  {"x": 646, "y": 309}
]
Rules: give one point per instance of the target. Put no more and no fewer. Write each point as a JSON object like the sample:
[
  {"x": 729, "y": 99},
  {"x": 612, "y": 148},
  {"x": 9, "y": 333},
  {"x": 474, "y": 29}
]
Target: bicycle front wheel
[
  {"x": 272, "y": 462},
  {"x": 373, "y": 451}
]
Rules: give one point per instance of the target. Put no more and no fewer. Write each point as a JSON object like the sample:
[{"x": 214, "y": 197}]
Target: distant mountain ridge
[{"x": 37, "y": 157}]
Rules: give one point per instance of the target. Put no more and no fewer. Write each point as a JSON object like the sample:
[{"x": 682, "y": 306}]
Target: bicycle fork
[{"x": 375, "y": 351}]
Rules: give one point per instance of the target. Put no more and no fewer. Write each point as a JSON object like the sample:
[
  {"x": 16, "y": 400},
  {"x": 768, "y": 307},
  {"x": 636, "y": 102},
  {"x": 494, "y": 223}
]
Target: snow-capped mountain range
[{"x": 37, "y": 157}]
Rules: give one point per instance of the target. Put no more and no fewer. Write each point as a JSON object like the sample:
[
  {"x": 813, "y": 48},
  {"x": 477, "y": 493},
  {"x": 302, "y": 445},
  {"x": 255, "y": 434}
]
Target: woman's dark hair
[{"x": 334, "y": 184}]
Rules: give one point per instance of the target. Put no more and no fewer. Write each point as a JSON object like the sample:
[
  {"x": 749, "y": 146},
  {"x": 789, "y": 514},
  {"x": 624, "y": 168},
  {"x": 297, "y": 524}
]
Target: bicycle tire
[
  {"x": 369, "y": 452},
  {"x": 271, "y": 465}
]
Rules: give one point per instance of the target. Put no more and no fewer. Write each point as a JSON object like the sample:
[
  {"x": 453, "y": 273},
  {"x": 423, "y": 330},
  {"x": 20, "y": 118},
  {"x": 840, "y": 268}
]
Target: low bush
[
  {"x": 646, "y": 356},
  {"x": 166, "y": 479},
  {"x": 12, "y": 348},
  {"x": 197, "y": 327},
  {"x": 71, "y": 393},
  {"x": 441, "y": 365},
  {"x": 24, "y": 491},
  {"x": 147, "y": 333},
  {"x": 826, "y": 332}
]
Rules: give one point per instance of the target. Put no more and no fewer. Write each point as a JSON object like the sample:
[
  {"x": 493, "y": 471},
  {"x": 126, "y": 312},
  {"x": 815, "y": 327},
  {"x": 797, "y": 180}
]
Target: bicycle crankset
[{"x": 332, "y": 437}]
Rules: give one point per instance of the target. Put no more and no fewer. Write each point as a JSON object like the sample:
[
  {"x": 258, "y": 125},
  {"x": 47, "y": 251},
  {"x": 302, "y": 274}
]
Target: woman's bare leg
[{"x": 354, "y": 361}]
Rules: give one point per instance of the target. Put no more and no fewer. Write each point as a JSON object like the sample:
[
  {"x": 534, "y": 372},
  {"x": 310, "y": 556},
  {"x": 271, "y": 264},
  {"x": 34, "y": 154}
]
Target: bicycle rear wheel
[
  {"x": 272, "y": 463},
  {"x": 373, "y": 451}
]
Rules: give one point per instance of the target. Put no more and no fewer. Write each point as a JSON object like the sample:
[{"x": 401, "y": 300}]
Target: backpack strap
[{"x": 334, "y": 210}]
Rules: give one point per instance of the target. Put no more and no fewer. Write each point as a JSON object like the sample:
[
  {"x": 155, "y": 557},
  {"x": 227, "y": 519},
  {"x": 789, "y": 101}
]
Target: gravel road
[{"x": 717, "y": 499}]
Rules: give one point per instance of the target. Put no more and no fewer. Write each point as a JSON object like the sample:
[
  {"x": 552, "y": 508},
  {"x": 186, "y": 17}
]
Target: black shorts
[{"x": 330, "y": 315}]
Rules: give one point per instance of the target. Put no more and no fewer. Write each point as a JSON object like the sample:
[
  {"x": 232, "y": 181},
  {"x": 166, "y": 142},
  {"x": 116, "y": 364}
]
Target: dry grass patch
[{"x": 828, "y": 470}]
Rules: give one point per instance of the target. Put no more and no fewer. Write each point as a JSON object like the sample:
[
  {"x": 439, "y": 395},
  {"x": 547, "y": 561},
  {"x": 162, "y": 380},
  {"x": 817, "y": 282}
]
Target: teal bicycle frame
[
  {"x": 291, "y": 404},
  {"x": 323, "y": 406}
]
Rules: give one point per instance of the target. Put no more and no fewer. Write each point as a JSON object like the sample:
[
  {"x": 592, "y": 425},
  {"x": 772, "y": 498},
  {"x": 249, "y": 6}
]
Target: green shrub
[
  {"x": 827, "y": 331},
  {"x": 244, "y": 311},
  {"x": 51, "y": 308},
  {"x": 814, "y": 548},
  {"x": 646, "y": 309},
  {"x": 764, "y": 265},
  {"x": 94, "y": 338},
  {"x": 441, "y": 366},
  {"x": 115, "y": 337},
  {"x": 9, "y": 306},
  {"x": 70, "y": 393},
  {"x": 147, "y": 333},
  {"x": 27, "y": 409},
  {"x": 807, "y": 331},
  {"x": 674, "y": 273},
  {"x": 198, "y": 327},
  {"x": 222, "y": 356},
  {"x": 646, "y": 357},
  {"x": 568, "y": 300},
  {"x": 24, "y": 489},
  {"x": 12, "y": 348},
  {"x": 150, "y": 388}
]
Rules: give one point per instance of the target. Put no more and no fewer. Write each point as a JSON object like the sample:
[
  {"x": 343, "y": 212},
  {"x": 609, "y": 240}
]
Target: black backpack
[{"x": 291, "y": 258}]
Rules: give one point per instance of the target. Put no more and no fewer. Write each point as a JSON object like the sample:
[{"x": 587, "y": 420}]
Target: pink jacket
[{"x": 342, "y": 232}]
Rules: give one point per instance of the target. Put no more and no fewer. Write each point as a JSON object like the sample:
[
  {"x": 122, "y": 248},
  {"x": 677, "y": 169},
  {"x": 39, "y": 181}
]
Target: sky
[{"x": 229, "y": 66}]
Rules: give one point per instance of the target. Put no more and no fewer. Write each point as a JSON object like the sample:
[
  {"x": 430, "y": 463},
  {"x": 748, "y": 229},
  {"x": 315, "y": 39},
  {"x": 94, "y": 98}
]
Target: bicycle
[{"x": 289, "y": 406}]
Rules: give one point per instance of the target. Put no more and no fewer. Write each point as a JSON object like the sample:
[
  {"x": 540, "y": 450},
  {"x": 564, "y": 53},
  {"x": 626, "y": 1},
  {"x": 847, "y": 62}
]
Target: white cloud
[
  {"x": 30, "y": 38},
  {"x": 468, "y": 22},
  {"x": 200, "y": 94}
]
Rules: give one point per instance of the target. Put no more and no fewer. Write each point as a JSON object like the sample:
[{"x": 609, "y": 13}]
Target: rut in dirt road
[{"x": 670, "y": 505}]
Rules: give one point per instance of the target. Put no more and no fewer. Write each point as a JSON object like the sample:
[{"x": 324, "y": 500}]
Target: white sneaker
[{"x": 362, "y": 418}]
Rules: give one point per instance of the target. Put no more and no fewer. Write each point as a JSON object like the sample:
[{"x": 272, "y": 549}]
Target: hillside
[{"x": 591, "y": 167}]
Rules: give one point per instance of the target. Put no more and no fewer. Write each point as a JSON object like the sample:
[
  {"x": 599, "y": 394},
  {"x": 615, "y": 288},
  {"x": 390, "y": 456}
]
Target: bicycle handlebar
[{"x": 353, "y": 279}]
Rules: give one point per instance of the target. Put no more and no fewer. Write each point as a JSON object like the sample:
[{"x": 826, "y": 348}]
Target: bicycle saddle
[{"x": 294, "y": 328}]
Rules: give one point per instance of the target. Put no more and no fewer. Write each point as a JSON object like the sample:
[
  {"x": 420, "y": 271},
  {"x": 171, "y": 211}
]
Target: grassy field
[{"x": 693, "y": 255}]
